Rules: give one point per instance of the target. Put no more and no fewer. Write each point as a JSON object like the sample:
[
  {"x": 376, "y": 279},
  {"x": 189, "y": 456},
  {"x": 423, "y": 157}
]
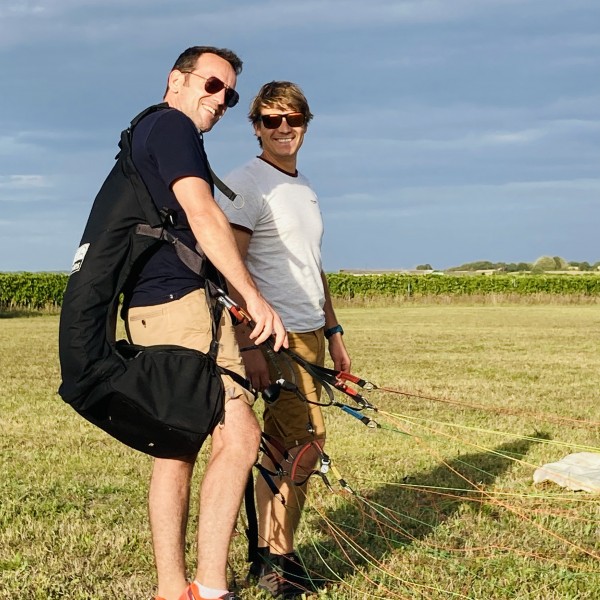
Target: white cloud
[
  {"x": 412, "y": 134},
  {"x": 30, "y": 143},
  {"x": 557, "y": 129},
  {"x": 485, "y": 199},
  {"x": 11, "y": 145},
  {"x": 146, "y": 19},
  {"x": 478, "y": 140},
  {"x": 23, "y": 8},
  {"x": 24, "y": 182}
]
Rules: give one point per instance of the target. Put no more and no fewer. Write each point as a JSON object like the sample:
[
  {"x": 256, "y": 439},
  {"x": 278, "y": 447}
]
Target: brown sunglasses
[{"x": 293, "y": 119}]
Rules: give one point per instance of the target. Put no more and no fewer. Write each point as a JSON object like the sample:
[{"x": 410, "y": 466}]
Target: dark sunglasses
[
  {"x": 294, "y": 119},
  {"x": 213, "y": 85}
]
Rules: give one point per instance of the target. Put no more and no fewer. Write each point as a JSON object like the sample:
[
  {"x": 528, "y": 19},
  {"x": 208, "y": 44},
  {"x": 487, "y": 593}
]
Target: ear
[
  {"x": 176, "y": 80},
  {"x": 256, "y": 129}
]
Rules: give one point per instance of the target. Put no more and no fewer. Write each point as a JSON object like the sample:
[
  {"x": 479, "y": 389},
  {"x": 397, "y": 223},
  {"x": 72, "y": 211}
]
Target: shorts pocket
[{"x": 141, "y": 314}]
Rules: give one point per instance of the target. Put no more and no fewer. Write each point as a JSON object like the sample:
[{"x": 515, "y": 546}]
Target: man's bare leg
[
  {"x": 234, "y": 450},
  {"x": 168, "y": 504}
]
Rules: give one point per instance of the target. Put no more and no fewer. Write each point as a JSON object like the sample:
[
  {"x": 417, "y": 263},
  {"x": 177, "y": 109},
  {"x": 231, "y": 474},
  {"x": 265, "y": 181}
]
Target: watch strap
[{"x": 333, "y": 330}]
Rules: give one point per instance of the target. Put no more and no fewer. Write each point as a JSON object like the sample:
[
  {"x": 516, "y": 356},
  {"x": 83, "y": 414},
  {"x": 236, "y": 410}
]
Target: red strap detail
[{"x": 191, "y": 593}]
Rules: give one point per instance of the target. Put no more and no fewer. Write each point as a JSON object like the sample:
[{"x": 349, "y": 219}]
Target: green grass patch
[{"x": 448, "y": 511}]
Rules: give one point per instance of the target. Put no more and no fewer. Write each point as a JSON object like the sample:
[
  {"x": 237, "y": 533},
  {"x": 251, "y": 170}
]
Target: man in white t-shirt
[{"x": 278, "y": 227}]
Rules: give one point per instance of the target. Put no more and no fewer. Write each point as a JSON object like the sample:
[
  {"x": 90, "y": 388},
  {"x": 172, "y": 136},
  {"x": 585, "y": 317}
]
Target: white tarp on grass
[{"x": 580, "y": 471}]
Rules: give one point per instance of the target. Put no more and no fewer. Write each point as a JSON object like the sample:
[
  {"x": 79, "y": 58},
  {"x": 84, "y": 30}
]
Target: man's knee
[{"x": 240, "y": 433}]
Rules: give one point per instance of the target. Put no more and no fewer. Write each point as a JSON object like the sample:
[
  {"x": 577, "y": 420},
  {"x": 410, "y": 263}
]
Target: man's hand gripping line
[{"x": 328, "y": 378}]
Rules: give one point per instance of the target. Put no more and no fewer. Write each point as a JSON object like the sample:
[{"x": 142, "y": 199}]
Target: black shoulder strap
[
  {"x": 222, "y": 187},
  {"x": 146, "y": 112},
  {"x": 219, "y": 184},
  {"x": 190, "y": 258}
]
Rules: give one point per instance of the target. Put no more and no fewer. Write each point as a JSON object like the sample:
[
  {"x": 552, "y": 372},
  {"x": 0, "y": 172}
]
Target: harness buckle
[{"x": 169, "y": 216}]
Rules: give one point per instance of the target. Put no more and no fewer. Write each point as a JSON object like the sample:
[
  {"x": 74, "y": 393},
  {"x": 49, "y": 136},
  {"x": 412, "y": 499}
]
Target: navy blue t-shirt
[{"x": 166, "y": 146}]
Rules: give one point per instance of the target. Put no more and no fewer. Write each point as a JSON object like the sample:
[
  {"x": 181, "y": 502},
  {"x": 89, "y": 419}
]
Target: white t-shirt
[{"x": 284, "y": 255}]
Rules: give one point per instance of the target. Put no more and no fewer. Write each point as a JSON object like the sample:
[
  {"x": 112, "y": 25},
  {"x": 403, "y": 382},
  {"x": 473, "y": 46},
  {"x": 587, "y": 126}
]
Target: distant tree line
[{"x": 541, "y": 265}]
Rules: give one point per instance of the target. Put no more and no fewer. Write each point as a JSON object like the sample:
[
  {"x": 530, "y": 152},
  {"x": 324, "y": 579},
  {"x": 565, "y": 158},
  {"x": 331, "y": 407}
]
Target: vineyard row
[{"x": 45, "y": 290}]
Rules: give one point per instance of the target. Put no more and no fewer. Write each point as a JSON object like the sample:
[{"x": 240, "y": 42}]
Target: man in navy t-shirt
[{"x": 167, "y": 306}]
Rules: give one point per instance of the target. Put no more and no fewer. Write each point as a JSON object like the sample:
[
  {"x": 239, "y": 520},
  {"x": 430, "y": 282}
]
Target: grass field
[{"x": 449, "y": 511}]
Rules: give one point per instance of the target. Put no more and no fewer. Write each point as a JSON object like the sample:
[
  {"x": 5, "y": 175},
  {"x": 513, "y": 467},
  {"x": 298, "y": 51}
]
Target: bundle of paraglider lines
[{"x": 357, "y": 538}]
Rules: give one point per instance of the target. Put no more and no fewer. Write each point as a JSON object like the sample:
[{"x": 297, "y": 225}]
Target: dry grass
[{"x": 447, "y": 512}]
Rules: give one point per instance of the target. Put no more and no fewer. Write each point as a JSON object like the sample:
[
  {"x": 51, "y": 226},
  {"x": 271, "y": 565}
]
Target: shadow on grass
[
  {"x": 18, "y": 314},
  {"x": 393, "y": 516}
]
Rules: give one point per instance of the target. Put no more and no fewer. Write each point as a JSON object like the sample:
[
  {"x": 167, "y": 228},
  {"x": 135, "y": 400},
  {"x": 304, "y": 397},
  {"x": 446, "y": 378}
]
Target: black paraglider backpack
[{"x": 161, "y": 400}]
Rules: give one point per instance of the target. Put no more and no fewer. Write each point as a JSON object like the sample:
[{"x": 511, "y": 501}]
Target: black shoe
[
  {"x": 256, "y": 566},
  {"x": 283, "y": 576}
]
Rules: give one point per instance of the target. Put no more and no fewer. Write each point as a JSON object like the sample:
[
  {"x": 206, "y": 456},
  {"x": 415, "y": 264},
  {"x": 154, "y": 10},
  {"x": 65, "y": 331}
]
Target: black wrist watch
[{"x": 333, "y": 330}]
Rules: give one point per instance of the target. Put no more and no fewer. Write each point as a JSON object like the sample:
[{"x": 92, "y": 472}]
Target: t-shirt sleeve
[
  {"x": 177, "y": 148},
  {"x": 246, "y": 210}
]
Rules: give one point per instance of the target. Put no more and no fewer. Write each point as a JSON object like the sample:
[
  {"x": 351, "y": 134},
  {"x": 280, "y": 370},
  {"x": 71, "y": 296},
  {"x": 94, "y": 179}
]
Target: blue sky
[{"x": 445, "y": 131}]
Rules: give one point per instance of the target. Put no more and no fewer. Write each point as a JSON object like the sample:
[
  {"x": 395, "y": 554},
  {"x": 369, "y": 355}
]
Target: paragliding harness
[{"x": 161, "y": 400}]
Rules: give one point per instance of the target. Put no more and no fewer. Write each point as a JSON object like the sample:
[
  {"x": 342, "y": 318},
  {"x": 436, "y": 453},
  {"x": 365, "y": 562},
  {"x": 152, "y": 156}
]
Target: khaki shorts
[
  {"x": 291, "y": 420},
  {"x": 187, "y": 322}
]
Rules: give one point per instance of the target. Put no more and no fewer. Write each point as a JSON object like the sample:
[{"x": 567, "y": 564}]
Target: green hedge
[
  {"x": 45, "y": 290},
  {"x": 346, "y": 285},
  {"x": 32, "y": 290}
]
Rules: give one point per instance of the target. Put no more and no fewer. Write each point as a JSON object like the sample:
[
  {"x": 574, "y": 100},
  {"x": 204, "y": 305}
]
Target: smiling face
[
  {"x": 187, "y": 92},
  {"x": 280, "y": 146}
]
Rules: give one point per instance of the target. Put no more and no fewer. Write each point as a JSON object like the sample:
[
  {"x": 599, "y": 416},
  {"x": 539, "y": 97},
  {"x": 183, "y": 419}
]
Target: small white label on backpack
[{"x": 79, "y": 256}]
